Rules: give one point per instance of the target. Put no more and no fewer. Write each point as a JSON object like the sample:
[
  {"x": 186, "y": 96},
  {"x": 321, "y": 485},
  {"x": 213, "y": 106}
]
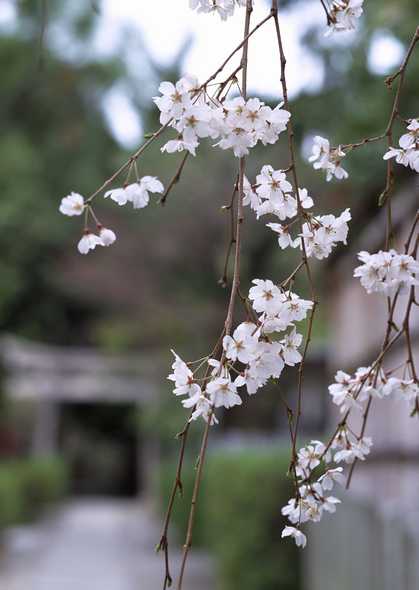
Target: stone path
[{"x": 93, "y": 544}]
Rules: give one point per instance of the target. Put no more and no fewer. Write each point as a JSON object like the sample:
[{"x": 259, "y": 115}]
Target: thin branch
[
  {"x": 304, "y": 259},
  {"x": 129, "y": 162},
  {"x": 242, "y": 44},
  {"x": 223, "y": 280},
  {"x": 329, "y": 18},
  {"x": 229, "y": 317},
  {"x": 174, "y": 180}
]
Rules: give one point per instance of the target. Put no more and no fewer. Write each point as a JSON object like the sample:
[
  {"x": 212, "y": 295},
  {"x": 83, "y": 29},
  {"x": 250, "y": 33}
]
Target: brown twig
[
  {"x": 232, "y": 240},
  {"x": 329, "y": 18},
  {"x": 177, "y": 486},
  {"x": 129, "y": 162},
  {"x": 174, "y": 180},
  {"x": 304, "y": 259},
  {"x": 230, "y": 311}
]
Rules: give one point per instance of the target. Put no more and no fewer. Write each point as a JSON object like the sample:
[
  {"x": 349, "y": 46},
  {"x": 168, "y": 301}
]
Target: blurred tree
[{"x": 159, "y": 283}]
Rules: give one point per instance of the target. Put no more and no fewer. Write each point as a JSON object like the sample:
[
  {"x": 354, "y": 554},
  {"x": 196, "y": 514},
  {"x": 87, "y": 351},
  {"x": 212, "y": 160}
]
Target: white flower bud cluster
[
  {"x": 385, "y": 272},
  {"x": 408, "y": 152},
  {"x": 236, "y": 123},
  {"x": 250, "y": 353}
]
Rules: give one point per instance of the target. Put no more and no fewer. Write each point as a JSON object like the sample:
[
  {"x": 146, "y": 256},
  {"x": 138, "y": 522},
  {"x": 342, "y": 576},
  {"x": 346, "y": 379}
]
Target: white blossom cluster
[
  {"x": 136, "y": 193},
  {"x": 272, "y": 194},
  {"x": 385, "y": 272},
  {"x": 344, "y": 14},
  {"x": 408, "y": 152},
  {"x": 250, "y": 353},
  {"x": 313, "y": 469},
  {"x": 224, "y": 8},
  {"x": 351, "y": 392},
  {"x": 316, "y": 476},
  {"x": 74, "y": 205},
  {"x": 323, "y": 232},
  {"x": 312, "y": 500},
  {"x": 236, "y": 123},
  {"x": 326, "y": 158}
]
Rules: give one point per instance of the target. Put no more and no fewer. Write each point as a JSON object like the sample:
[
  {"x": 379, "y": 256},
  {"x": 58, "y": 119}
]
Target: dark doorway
[{"x": 100, "y": 443}]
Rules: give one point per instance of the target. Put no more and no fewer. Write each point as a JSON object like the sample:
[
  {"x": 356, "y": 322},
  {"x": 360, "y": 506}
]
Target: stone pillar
[{"x": 45, "y": 432}]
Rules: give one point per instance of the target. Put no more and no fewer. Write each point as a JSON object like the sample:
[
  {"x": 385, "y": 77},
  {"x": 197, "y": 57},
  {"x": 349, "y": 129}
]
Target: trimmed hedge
[
  {"x": 239, "y": 519},
  {"x": 27, "y": 486}
]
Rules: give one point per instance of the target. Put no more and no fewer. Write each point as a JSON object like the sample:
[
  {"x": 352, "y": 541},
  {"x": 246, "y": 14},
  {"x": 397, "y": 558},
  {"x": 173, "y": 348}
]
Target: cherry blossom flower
[
  {"x": 284, "y": 237},
  {"x": 266, "y": 296},
  {"x": 351, "y": 448},
  {"x": 267, "y": 362},
  {"x": 236, "y": 123},
  {"x": 344, "y": 392},
  {"x": 88, "y": 242},
  {"x": 332, "y": 476},
  {"x": 402, "y": 389},
  {"x": 72, "y": 205},
  {"x": 326, "y": 158},
  {"x": 309, "y": 456},
  {"x": 136, "y": 193},
  {"x": 290, "y": 345},
  {"x": 224, "y": 8},
  {"x": 408, "y": 152},
  {"x": 273, "y": 190},
  {"x": 322, "y": 234},
  {"x": 203, "y": 409},
  {"x": 305, "y": 199},
  {"x": 222, "y": 392},
  {"x": 183, "y": 378},
  {"x": 344, "y": 14},
  {"x": 241, "y": 346},
  {"x": 385, "y": 272},
  {"x": 186, "y": 141},
  {"x": 107, "y": 236},
  {"x": 250, "y": 197},
  {"x": 175, "y": 98},
  {"x": 299, "y": 537}
]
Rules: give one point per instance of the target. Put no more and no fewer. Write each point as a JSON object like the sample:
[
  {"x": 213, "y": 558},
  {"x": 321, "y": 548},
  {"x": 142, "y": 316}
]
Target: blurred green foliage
[
  {"x": 239, "y": 518},
  {"x": 28, "y": 486}
]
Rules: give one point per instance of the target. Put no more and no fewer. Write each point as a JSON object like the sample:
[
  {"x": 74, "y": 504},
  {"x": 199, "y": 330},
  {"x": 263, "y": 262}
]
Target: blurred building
[{"x": 372, "y": 542}]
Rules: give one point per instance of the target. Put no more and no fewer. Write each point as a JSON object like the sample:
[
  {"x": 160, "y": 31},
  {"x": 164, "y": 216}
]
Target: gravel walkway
[{"x": 93, "y": 544}]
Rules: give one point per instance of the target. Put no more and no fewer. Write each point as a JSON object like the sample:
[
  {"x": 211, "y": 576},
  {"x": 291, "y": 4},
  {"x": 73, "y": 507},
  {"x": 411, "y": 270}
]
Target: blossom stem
[
  {"x": 230, "y": 310},
  {"x": 174, "y": 180},
  {"x": 291, "y": 147}
]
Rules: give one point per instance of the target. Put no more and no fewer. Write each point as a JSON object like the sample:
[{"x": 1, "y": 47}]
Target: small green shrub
[
  {"x": 27, "y": 486},
  {"x": 44, "y": 481},
  {"x": 244, "y": 493},
  {"x": 11, "y": 496},
  {"x": 239, "y": 519}
]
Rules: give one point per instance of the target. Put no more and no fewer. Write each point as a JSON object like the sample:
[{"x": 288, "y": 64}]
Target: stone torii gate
[{"x": 49, "y": 375}]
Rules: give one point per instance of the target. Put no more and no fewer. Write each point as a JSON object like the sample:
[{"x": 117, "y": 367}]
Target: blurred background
[{"x": 87, "y": 419}]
